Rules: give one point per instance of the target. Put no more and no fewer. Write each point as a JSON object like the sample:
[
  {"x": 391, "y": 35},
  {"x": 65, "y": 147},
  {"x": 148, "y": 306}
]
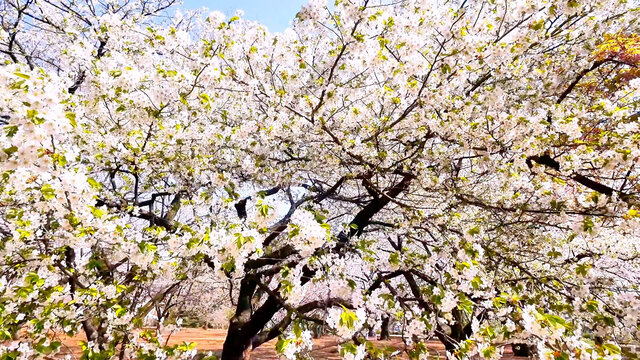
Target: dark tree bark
[
  {"x": 520, "y": 349},
  {"x": 548, "y": 161},
  {"x": 384, "y": 328},
  {"x": 246, "y": 326},
  {"x": 318, "y": 331},
  {"x": 460, "y": 331}
]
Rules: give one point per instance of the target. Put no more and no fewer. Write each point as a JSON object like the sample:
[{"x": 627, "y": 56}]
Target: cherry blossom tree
[{"x": 466, "y": 169}]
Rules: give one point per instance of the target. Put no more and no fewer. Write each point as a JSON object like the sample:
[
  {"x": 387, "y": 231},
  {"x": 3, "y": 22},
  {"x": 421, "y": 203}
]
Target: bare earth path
[{"x": 212, "y": 340}]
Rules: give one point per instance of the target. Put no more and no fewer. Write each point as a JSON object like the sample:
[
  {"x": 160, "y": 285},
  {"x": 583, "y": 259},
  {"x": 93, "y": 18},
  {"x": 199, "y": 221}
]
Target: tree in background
[{"x": 464, "y": 169}]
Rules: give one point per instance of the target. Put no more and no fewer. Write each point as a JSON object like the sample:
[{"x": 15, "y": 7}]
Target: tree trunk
[
  {"x": 245, "y": 325},
  {"x": 238, "y": 341},
  {"x": 317, "y": 331},
  {"x": 520, "y": 349},
  {"x": 237, "y": 346},
  {"x": 384, "y": 328},
  {"x": 459, "y": 332},
  {"x": 450, "y": 341},
  {"x": 449, "y": 345}
]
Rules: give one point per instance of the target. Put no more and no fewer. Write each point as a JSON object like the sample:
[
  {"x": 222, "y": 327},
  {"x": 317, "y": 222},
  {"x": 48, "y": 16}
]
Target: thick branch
[
  {"x": 582, "y": 74},
  {"x": 363, "y": 218},
  {"x": 547, "y": 161}
]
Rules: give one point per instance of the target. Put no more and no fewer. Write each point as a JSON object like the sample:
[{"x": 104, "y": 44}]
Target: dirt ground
[{"x": 324, "y": 348}]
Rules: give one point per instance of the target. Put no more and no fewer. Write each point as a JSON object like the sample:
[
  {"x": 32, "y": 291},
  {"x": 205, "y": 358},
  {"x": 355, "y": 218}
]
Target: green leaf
[
  {"x": 24, "y": 76},
  {"x": 31, "y": 114},
  {"x": 72, "y": 119},
  {"x": 488, "y": 351},
  {"x": 348, "y": 318},
  {"x": 263, "y": 210},
  {"x": 282, "y": 344},
  {"x": 297, "y": 330},
  {"x": 348, "y": 348},
  {"x": 11, "y": 150},
  {"x": 97, "y": 212},
  {"x": 48, "y": 192},
  {"x": 11, "y": 130},
  {"x": 612, "y": 348},
  {"x": 583, "y": 269},
  {"x": 394, "y": 258},
  {"x": 94, "y": 184},
  {"x": 556, "y": 321}
]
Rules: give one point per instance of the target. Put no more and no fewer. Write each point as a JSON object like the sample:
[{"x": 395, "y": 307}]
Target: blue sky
[{"x": 275, "y": 14}]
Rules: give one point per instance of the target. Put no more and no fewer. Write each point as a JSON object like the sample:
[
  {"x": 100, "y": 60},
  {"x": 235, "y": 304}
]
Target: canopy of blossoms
[{"x": 465, "y": 169}]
